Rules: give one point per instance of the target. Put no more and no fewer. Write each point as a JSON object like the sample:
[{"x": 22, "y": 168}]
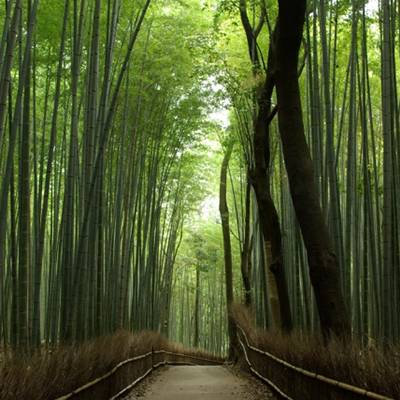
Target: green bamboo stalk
[
  {"x": 43, "y": 213},
  {"x": 330, "y": 152},
  {"x": 387, "y": 175},
  {"x": 8, "y": 61},
  {"x": 80, "y": 253}
]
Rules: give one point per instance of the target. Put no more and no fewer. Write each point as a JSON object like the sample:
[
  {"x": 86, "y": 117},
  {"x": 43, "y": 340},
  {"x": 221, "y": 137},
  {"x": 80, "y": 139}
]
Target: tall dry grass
[
  {"x": 367, "y": 367},
  {"x": 52, "y": 374}
]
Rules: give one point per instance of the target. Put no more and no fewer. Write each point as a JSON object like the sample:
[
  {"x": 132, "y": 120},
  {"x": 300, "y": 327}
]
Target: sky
[{"x": 373, "y": 5}]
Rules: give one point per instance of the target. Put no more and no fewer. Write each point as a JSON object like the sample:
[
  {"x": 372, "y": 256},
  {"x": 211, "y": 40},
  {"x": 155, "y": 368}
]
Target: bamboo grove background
[{"x": 110, "y": 161}]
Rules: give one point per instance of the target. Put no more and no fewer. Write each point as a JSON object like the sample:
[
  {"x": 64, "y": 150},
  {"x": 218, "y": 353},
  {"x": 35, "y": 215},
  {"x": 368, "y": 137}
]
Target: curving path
[{"x": 198, "y": 382}]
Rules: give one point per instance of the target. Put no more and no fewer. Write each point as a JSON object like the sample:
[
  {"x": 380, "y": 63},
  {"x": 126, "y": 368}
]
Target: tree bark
[{"x": 322, "y": 259}]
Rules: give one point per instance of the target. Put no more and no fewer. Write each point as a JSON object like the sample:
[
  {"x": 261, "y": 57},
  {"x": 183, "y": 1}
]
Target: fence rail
[
  {"x": 138, "y": 368},
  {"x": 291, "y": 382},
  {"x": 298, "y": 382}
]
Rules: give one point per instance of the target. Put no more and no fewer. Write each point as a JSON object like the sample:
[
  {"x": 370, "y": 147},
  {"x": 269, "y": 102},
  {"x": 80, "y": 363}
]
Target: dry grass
[
  {"x": 49, "y": 375},
  {"x": 364, "y": 367}
]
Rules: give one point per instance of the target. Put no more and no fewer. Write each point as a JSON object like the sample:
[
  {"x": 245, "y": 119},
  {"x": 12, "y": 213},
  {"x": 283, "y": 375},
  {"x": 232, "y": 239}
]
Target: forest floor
[{"x": 201, "y": 382}]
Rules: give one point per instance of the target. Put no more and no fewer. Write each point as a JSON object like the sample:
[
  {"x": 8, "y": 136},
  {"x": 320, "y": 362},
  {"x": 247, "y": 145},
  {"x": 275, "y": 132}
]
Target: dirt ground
[{"x": 201, "y": 382}]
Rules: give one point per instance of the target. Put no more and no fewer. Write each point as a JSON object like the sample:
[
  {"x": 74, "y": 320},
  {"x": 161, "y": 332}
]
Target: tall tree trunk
[
  {"x": 14, "y": 261},
  {"x": 269, "y": 220},
  {"x": 24, "y": 222},
  {"x": 224, "y": 212},
  {"x": 387, "y": 176},
  {"x": 245, "y": 256},
  {"x": 334, "y": 201},
  {"x": 260, "y": 176},
  {"x": 323, "y": 261},
  {"x": 196, "y": 310}
]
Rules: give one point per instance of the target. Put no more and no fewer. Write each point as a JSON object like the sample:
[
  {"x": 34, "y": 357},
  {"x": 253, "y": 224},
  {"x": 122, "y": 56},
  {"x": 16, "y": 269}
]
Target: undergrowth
[
  {"x": 50, "y": 374},
  {"x": 366, "y": 367}
]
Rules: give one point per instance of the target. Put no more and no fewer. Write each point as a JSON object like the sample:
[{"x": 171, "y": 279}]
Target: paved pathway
[{"x": 197, "y": 382}]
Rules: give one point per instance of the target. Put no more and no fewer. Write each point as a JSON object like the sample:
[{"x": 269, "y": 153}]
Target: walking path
[{"x": 198, "y": 382}]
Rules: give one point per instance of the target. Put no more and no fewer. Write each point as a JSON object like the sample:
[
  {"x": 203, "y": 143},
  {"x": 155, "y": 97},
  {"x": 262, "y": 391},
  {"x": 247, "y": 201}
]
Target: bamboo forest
[{"x": 164, "y": 163}]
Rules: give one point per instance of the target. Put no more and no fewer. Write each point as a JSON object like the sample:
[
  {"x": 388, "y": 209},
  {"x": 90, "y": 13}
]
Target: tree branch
[
  {"x": 251, "y": 34},
  {"x": 260, "y": 22}
]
